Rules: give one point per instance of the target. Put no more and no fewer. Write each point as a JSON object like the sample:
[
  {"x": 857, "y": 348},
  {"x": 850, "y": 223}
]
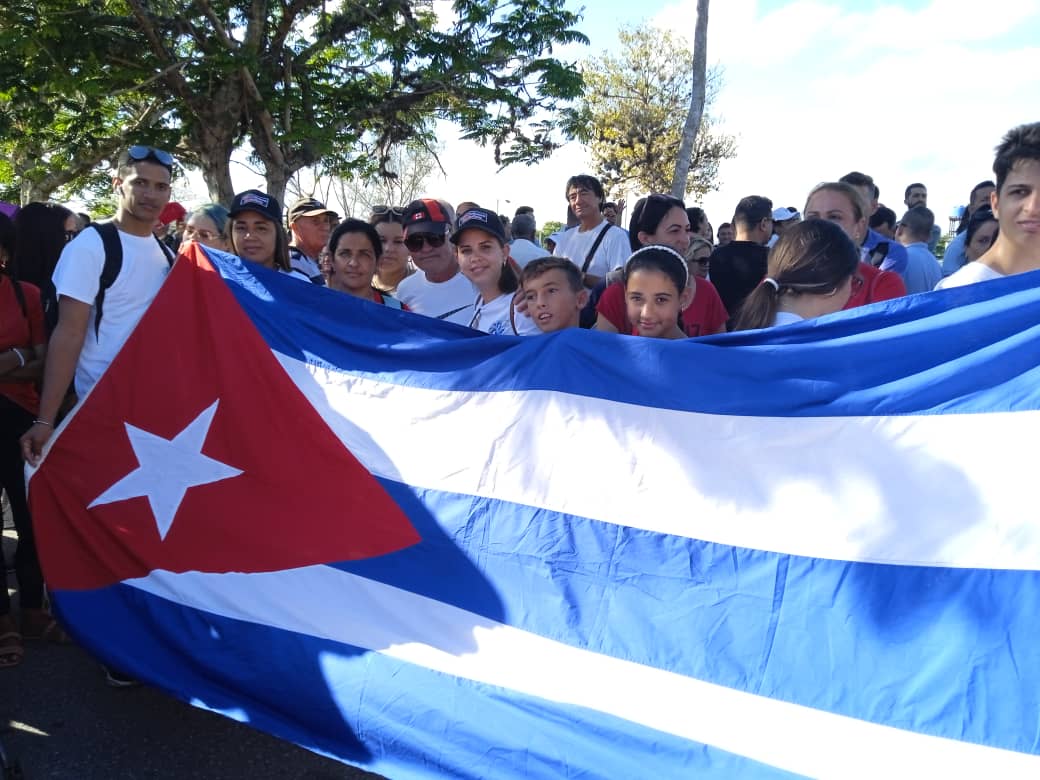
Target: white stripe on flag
[
  {"x": 437, "y": 636},
  {"x": 934, "y": 490}
]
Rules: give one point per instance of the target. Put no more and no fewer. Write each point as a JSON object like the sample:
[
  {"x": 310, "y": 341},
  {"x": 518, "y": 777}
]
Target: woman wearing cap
[
  {"x": 484, "y": 260},
  {"x": 256, "y": 232},
  {"x": 354, "y": 251},
  {"x": 208, "y": 225},
  {"x": 393, "y": 265}
]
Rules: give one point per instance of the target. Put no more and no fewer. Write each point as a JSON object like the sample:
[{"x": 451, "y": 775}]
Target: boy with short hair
[{"x": 555, "y": 295}]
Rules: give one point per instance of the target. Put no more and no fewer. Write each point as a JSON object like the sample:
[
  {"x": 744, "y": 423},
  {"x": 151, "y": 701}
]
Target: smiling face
[
  {"x": 585, "y": 204},
  {"x": 253, "y": 237},
  {"x": 672, "y": 231},
  {"x": 653, "y": 303},
  {"x": 481, "y": 259},
  {"x": 352, "y": 265}
]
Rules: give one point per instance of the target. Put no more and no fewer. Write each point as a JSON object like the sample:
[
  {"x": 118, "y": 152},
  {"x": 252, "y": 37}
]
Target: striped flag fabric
[{"x": 810, "y": 551}]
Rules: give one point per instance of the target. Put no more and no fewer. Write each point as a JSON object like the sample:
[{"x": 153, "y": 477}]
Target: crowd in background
[{"x": 72, "y": 290}]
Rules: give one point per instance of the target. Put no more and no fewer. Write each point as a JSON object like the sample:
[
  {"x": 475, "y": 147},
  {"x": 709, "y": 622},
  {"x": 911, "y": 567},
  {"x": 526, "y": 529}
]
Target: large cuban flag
[{"x": 433, "y": 553}]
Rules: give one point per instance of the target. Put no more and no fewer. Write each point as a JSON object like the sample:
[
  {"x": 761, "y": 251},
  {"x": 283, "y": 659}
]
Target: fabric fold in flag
[{"x": 808, "y": 551}]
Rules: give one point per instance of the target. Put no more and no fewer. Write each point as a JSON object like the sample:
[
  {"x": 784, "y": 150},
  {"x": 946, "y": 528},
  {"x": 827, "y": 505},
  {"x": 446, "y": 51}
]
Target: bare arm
[{"x": 59, "y": 369}]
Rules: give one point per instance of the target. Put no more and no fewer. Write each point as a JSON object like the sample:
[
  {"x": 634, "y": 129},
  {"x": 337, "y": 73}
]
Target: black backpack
[{"x": 114, "y": 264}]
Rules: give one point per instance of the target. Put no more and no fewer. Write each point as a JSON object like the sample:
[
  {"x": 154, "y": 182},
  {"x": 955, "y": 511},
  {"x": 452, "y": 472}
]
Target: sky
[{"x": 812, "y": 89}]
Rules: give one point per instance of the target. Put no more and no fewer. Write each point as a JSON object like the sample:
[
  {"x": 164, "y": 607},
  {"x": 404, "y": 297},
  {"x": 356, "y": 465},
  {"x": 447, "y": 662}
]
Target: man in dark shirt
[{"x": 738, "y": 267}]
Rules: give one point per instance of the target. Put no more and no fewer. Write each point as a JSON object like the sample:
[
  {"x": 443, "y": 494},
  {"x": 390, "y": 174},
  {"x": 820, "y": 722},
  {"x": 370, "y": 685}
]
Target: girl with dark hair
[
  {"x": 22, "y": 347},
  {"x": 810, "y": 273},
  {"x": 43, "y": 230},
  {"x": 656, "y": 292},
  {"x": 699, "y": 224},
  {"x": 981, "y": 233},
  {"x": 353, "y": 256},
  {"x": 394, "y": 264},
  {"x": 662, "y": 220},
  {"x": 484, "y": 260}
]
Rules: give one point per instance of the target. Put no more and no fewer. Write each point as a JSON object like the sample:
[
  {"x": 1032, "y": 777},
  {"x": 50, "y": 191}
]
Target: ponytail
[{"x": 759, "y": 309}]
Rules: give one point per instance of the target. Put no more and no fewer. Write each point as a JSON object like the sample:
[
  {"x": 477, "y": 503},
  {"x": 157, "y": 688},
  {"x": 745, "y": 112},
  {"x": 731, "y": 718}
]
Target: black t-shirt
[{"x": 735, "y": 270}]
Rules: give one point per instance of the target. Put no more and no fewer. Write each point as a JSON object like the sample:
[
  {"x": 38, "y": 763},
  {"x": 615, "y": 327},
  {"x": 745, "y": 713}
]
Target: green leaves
[{"x": 632, "y": 115}]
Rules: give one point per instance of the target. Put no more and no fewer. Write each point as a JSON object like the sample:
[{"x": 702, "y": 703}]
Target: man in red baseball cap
[{"x": 440, "y": 291}]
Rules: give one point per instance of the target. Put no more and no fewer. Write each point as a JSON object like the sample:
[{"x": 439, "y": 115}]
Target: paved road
[{"x": 62, "y": 722}]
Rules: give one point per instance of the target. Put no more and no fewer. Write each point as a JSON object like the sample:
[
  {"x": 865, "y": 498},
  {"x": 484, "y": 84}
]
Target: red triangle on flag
[{"x": 301, "y": 498}]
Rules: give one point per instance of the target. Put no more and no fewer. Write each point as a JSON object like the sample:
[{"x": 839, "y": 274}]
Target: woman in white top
[
  {"x": 480, "y": 244},
  {"x": 809, "y": 274}
]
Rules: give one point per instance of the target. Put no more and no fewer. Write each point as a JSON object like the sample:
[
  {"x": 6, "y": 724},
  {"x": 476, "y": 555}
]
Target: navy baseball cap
[
  {"x": 261, "y": 203},
  {"x": 480, "y": 219}
]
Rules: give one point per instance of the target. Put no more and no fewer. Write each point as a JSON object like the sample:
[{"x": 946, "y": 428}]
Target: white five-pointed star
[{"x": 167, "y": 468}]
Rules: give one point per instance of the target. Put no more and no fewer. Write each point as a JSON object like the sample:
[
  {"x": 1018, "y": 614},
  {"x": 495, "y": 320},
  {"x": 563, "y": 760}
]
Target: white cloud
[{"x": 815, "y": 89}]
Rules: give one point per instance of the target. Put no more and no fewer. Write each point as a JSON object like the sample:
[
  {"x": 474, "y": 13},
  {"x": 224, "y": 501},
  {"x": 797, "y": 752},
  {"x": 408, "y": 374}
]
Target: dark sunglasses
[
  {"x": 415, "y": 241},
  {"x": 382, "y": 210},
  {"x": 140, "y": 153}
]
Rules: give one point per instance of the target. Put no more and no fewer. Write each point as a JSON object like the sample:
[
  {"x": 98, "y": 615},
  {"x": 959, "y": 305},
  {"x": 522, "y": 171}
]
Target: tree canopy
[
  {"x": 634, "y": 109},
  {"x": 302, "y": 82}
]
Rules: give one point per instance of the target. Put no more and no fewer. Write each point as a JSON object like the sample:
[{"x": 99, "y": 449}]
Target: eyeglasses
[
  {"x": 382, "y": 210},
  {"x": 204, "y": 235},
  {"x": 140, "y": 153},
  {"x": 70, "y": 234},
  {"x": 415, "y": 241}
]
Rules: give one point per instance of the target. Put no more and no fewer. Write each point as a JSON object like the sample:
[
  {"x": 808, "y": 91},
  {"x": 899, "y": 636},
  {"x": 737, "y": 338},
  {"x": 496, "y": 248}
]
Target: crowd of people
[{"x": 72, "y": 290}]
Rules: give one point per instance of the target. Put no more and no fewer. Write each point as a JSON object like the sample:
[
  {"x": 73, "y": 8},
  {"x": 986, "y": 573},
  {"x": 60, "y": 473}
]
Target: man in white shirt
[
  {"x": 83, "y": 345},
  {"x": 1016, "y": 204},
  {"x": 439, "y": 290},
  {"x": 595, "y": 246}
]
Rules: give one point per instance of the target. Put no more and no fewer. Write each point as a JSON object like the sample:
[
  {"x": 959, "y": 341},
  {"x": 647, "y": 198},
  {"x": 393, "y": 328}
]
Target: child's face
[
  {"x": 551, "y": 302},
  {"x": 653, "y": 303}
]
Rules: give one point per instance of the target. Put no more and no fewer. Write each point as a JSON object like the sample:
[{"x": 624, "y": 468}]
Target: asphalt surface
[{"x": 60, "y": 721}]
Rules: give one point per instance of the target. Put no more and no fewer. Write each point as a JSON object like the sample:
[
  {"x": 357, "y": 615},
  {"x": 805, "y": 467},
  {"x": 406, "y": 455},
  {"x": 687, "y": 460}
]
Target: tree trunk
[{"x": 693, "y": 118}]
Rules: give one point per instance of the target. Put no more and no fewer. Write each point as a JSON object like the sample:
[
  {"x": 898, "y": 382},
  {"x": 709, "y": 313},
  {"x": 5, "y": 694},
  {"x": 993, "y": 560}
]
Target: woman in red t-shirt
[
  {"x": 662, "y": 220},
  {"x": 22, "y": 346}
]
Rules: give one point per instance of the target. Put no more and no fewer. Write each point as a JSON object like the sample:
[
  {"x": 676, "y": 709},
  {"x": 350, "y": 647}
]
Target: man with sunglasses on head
[
  {"x": 311, "y": 225},
  {"x": 84, "y": 341},
  {"x": 439, "y": 290}
]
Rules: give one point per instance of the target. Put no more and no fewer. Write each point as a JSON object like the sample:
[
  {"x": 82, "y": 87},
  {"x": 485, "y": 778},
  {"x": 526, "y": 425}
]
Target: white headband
[{"x": 680, "y": 258}]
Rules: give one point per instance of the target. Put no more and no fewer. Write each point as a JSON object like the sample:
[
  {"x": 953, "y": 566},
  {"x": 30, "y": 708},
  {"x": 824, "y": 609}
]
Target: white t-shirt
[
  {"x": 612, "y": 252},
  {"x": 969, "y": 274},
  {"x": 524, "y": 251},
  {"x": 78, "y": 276},
  {"x": 451, "y": 301},
  {"x": 493, "y": 317}
]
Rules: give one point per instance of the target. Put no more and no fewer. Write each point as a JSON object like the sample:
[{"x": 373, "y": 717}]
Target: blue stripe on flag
[
  {"x": 311, "y": 691},
  {"x": 922, "y": 354},
  {"x": 918, "y": 648}
]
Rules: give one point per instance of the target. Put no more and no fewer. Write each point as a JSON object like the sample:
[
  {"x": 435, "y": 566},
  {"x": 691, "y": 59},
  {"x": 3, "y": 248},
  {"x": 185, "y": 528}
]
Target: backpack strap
[
  {"x": 113, "y": 265},
  {"x": 595, "y": 246}
]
